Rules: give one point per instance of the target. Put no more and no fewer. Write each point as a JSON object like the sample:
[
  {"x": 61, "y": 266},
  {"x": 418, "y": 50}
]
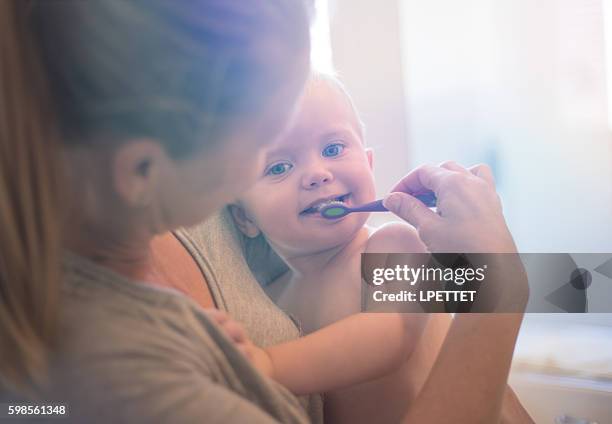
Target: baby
[{"x": 323, "y": 158}]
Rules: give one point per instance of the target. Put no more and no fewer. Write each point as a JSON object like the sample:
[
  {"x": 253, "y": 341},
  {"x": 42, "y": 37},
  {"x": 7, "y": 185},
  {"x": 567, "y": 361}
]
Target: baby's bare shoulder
[{"x": 395, "y": 237}]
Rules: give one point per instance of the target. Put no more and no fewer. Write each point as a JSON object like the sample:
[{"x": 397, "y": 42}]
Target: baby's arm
[
  {"x": 353, "y": 350},
  {"x": 358, "y": 348}
]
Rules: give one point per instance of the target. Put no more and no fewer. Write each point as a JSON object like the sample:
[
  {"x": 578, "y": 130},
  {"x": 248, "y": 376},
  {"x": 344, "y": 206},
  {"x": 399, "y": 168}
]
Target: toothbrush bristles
[{"x": 328, "y": 204}]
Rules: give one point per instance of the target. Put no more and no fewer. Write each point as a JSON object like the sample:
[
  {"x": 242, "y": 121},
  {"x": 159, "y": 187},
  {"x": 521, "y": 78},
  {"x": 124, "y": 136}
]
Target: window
[{"x": 321, "y": 52}]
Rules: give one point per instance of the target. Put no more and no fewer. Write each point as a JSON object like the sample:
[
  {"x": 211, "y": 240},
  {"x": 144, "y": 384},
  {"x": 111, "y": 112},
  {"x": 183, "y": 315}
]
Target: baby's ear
[
  {"x": 370, "y": 155},
  {"x": 244, "y": 223}
]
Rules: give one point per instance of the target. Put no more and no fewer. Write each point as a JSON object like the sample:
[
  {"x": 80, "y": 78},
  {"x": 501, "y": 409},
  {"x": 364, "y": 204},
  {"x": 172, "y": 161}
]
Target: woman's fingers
[
  {"x": 469, "y": 211},
  {"x": 410, "y": 209},
  {"x": 423, "y": 178},
  {"x": 483, "y": 171},
  {"x": 451, "y": 165}
]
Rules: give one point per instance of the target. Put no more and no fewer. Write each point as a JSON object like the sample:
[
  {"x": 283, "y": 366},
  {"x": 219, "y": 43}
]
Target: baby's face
[{"x": 320, "y": 158}]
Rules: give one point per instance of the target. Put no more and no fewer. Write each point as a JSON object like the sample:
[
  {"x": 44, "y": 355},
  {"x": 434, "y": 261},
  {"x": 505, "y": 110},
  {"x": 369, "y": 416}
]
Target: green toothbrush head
[{"x": 334, "y": 210}]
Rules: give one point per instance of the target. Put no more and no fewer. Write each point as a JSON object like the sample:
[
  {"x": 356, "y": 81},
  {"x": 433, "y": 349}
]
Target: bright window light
[
  {"x": 321, "y": 53},
  {"x": 607, "y": 15}
]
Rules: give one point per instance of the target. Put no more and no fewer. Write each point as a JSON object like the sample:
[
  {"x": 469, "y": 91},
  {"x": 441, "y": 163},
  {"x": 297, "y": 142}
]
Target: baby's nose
[{"x": 316, "y": 179}]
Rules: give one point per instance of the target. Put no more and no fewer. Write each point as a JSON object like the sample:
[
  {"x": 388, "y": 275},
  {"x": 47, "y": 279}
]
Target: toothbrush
[{"x": 335, "y": 210}]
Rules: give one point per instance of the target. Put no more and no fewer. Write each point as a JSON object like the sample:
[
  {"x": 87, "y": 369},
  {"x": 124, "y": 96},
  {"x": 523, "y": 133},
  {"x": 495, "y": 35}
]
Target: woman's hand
[
  {"x": 469, "y": 218},
  {"x": 258, "y": 357}
]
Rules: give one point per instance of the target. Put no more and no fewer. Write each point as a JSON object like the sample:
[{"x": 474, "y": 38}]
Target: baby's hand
[{"x": 236, "y": 333}]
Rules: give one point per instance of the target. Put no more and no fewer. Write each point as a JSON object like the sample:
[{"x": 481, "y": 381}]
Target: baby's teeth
[
  {"x": 327, "y": 202},
  {"x": 319, "y": 206}
]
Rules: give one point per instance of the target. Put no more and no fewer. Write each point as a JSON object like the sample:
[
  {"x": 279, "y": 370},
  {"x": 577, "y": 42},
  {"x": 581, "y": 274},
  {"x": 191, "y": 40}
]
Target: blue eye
[
  {"x": 333, "y": 150},
  {"x": 279, "y": 169}
]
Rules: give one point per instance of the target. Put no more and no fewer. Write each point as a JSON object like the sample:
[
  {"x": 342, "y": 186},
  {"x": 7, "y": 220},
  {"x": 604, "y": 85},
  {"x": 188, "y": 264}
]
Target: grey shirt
[{"x": 134, "y": 353}]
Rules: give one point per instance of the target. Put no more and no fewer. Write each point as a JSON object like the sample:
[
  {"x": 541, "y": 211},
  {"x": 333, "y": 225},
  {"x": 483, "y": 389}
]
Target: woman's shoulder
[
  {"x": 97, "y": 301},
  {"x": 394, "y": 237}
]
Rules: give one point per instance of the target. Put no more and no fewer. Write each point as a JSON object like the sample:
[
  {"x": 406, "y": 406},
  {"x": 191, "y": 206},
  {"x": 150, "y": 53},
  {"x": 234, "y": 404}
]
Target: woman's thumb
[{"x": 408, "y": 208}]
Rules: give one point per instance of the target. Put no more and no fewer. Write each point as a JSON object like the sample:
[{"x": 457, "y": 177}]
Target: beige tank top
[{"x": 216, "y": 247}]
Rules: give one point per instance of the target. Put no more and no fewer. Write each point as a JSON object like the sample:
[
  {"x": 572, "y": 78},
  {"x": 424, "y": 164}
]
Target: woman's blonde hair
[
  {"x": 73, "y": 72},
  {"x": 29, "y": 214}
]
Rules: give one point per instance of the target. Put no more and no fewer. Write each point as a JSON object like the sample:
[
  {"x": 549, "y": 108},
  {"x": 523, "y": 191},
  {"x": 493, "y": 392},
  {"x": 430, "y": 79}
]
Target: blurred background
[{"x": 526, "y": 87}]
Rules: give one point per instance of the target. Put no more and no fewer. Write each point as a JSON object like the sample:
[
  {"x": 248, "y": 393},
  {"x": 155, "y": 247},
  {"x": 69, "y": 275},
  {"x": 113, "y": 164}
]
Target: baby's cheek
[
  {"x": 275, "y": 216},
  {"x": 363, "y": 186},
  {"x": 359, "y": 220},
  {"x": 282, "y": 232}
]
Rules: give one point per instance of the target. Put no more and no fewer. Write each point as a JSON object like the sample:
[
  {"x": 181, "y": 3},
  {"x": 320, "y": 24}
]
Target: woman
[{"x": 123, "y": 120}]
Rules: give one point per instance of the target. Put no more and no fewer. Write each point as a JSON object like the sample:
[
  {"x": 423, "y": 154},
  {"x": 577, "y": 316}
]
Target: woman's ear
[
  {"x": 370, "y": 155},
  {"x": 245, "y": 224},
  {"x": 136, "y": 168}
]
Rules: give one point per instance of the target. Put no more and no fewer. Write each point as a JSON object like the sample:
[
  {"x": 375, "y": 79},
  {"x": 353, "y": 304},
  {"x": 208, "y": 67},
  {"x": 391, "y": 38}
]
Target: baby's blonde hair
[{"x": 332, "y": 80}]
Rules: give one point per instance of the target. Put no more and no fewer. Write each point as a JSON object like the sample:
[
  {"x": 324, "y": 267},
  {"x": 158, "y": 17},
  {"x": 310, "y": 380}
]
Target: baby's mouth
[{"x": 315, "y": 208}]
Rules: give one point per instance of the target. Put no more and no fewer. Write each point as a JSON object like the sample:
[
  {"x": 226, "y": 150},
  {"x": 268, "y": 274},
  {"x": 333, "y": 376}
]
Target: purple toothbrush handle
[
  {"x": 375, "y": 206},
  {"x": 429, "y": 199}
]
